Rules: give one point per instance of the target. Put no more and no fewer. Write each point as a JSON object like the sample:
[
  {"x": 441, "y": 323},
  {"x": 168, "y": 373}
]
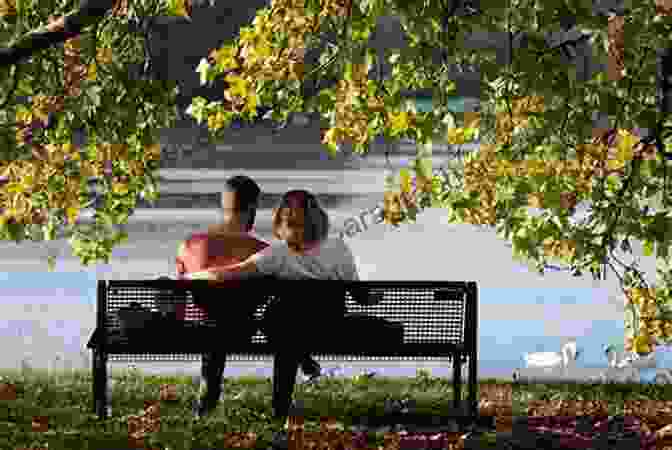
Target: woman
[{"x": 303, "y": 251}]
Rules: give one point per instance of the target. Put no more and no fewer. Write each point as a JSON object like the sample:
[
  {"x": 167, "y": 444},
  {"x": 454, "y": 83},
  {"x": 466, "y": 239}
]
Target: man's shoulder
[
  {"x": 233, "y": 238},
  {"x": 195, "y": 238},
  {"x": 198, "y": 236},
  {"x": 230, "y": 239}
]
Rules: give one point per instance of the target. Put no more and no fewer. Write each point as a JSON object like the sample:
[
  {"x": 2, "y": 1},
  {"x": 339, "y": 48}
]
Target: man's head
[{"x": 239, "y": 203}]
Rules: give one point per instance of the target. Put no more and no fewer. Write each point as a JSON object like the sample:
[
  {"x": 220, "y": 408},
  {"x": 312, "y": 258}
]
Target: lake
[{"x": 46, "y": 315}]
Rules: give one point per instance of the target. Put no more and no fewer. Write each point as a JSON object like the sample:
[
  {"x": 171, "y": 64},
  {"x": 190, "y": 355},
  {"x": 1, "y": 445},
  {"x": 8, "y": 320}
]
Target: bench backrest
[{"x": 431, "y": 311}]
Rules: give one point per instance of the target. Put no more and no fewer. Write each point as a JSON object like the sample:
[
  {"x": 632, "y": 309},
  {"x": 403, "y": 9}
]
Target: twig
[{"x": 15, "y": 82}]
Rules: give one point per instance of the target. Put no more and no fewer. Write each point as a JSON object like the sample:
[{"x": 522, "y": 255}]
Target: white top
[{"x": 331, "y": 260}]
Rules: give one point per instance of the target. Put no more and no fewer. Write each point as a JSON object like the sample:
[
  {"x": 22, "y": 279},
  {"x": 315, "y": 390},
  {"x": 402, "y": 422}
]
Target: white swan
[
  {"x": 614, "y": 357},
  {"x": 564, "y": 358},
  {"x": 622, "y": 360}
]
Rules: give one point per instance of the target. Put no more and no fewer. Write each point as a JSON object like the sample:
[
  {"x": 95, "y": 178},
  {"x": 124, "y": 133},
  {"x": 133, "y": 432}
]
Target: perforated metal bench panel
[{"x": 433, "y": 315}]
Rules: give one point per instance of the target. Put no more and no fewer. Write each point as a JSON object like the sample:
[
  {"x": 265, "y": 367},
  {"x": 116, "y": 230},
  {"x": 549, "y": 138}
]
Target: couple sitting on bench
[{"x": 228, "y": 252}]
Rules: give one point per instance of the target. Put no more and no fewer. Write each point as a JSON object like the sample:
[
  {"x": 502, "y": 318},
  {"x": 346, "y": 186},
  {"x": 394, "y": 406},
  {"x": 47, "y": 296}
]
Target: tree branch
[
  {"x": 15, "y": 83},
  {"x": 89, "y": 13}
]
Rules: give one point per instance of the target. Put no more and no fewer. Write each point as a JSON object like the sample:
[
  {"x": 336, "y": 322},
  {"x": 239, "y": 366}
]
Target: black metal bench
[{"x": 439, "y": 321}]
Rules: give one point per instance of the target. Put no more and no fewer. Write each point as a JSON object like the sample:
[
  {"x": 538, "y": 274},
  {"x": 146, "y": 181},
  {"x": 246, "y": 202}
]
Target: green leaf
[
  {"x": 24, "y": 86},
  {"x": 470, "y": 133},
  {"x": 662, "y": 250},
  {"x": 648, "y": 248},
  {"x": 393, "y": 58},
  {"x": 332, "y": 149},
  {"x": 203, "y": 70},
  {"x": 347, "y": 74},
  {"x": 93, "y": 92},
  {"x": 15, "y": 232},
  {"x": 521, "y": 232},
  {"x": 197, "y": 109},
  {"x": 313, "y": 7},
  {"x": 49, "y": 231}
]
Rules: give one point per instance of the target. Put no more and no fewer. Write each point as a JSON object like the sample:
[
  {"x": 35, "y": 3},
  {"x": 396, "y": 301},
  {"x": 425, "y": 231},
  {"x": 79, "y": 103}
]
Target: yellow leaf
[
  {"x": 238, "y": 85},
  {"x": 405, "y": 180},
  {"x": 615, "y": 164},
  {"x": 27, "y": 182},
  {"x": 625, "y": 145},
  {"x": 225, "y": 57},
  {"x": 15, "y": 188},
  {"x": 263, "y": 50},
  {"x": 213, "y": 123},
  {"x": 331, "y": 136},
  {"x": 398, "y": 122},
  {"x": 7, "y": 8},
  {"x": 260, "y": 21},
  {"x": 179, "y": 8},
  {"x": 119, "y": 188},
  {"x": 92, "y": 73},
  {"x": 24, "y": 116},
  {"x": 104, "y": 55},
  {"x": 642, "y": 343},
  {"x": 455, "y": 136},
  {"x": 246, "y": 35},
  {"x": 252, "y": 102},
  {"x": 72, "y": 214}
]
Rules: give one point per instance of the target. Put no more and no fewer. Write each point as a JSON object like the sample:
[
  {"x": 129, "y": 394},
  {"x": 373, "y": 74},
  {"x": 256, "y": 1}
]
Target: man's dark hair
[{"x": 247, "y": 196}]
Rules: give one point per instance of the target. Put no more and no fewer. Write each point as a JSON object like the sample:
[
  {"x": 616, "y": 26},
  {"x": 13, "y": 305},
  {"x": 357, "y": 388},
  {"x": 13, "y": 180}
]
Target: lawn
[{"x": 54, "y": 412}]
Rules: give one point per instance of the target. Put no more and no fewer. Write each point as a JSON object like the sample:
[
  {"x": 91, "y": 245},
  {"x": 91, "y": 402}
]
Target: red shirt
[{"x": 205, "y": 250}]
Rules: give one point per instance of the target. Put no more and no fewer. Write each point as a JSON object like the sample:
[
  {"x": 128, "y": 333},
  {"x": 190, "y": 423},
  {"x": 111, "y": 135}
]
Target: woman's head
[{"x": 300, "y": 220}]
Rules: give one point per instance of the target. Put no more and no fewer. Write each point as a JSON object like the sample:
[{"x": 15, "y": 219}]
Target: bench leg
[
  {"x": 473, "y": 385},
  {"x": 100, "y": 384},
  {"x": 457, "y": 382}
]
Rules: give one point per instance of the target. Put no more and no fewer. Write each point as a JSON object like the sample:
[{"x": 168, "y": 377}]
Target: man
[{"x": 228, "y": 242}]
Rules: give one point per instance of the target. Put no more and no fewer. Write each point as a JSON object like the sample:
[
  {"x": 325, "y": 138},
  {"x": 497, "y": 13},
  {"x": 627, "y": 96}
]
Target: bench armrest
[{"x": 94, "y": 340}]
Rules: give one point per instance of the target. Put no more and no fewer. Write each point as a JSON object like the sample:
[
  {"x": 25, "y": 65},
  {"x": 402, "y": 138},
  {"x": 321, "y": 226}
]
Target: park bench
[{"x": 439, "y": 321}]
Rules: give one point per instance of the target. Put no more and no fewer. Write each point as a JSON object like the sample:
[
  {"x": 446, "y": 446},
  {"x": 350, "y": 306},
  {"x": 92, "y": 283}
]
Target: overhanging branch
[{"x": 89, "y": 13}]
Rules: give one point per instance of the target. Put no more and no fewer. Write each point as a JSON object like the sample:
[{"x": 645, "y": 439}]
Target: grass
[{"x": 63, "y": 402}]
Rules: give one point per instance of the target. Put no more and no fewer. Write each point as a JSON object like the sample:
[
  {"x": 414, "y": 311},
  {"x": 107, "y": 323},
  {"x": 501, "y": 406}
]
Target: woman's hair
[{"x": 316, "y": 224}]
